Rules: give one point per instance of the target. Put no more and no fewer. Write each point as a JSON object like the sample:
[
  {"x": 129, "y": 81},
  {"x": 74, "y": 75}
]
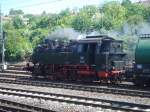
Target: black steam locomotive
[{"x": 94, "y": 58}]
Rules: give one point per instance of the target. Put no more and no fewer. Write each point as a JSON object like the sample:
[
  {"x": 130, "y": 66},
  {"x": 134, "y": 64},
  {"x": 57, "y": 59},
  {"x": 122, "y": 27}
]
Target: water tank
[{"x": 142, "y": 51}]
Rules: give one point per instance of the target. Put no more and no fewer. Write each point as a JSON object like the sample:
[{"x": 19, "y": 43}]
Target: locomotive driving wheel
[
  {"x": 138, "y": 82},
  {"x": 36, "y": 72},
  {"x": 72, "y": 75},
  {"x": 115, "y": 79}
]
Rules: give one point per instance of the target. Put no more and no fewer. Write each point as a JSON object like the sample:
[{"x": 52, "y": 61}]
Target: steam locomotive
[{"x": 94, "y": 58}]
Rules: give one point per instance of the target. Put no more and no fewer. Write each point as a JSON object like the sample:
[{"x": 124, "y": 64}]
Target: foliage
[
  {"x": 37, "y": 36},
  {"x": 23, "y": 37},
  {"x": 126, "y": 3},
  {"x": 15, "y": 12},
  {"x": 147, "y": 14},
  {"x": 17, "y": 47},
  {"x": 82, "y": 23},
  {"x": 115, "y": 12},
  {"x": 66, "y": 18},
  {"x": 17, "y": 22},
  {"x": 135, "y": 9}
]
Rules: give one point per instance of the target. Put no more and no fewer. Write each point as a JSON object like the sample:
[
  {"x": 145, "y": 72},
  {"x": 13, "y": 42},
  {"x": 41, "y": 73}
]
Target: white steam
[
  {"x": 141, "y": 28},
  {"x": 145, "y": 28},
  {"x": 67, "y": 33}
]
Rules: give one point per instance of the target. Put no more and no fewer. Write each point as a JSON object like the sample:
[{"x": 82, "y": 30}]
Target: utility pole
[
  {"x": 4, "y": 66},
  {"x": 101, "y": 18}
]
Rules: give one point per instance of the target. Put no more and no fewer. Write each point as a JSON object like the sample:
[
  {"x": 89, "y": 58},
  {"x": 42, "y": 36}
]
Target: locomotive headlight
[{"x": 139, "y": 66}]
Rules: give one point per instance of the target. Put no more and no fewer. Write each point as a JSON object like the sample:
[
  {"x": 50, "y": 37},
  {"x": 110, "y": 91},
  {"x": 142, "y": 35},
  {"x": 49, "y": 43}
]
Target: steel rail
[
  {"x": 78, "y": 100},
  {"x": 15, "y": 76},
  {"x": 16, "y": 71},
  {"x": 12, "y": 106},
  {"x": 118, "y": 91}
]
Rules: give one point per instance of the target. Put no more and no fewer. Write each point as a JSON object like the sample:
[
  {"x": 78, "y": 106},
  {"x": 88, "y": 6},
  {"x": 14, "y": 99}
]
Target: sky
[{"x": 50, "y": 6}]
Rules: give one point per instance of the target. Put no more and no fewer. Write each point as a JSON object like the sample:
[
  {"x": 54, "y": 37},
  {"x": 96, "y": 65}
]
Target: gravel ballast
[{"x": 53, "y": 105}]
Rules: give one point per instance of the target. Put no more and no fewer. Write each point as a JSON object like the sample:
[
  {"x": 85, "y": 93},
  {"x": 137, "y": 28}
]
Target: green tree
[
  {"x": 15, "y": 12},
  {"x": 8, "y": 26},
  {"x": 147, "y": 14},
  {"x": 97, "y": 21},
  {"x": 115, "y": 13},
  {"x": 43, "y": 22},
  {"x": 135, "y": 9},
  {"x": 126, "y": 3},
  {"x": 37, "y": 36},
  {"x": 82, "y": 23},
  {"x": 134, "y": 22},
  {"x": 17, "y": 47},
  {"x": 66, "y": 18},
  {"x": 66, "y": 21},
  {"x": 18, "y": 22},
  {"x": 66, "y": 12},
  {"x": 90, "y": 10}
]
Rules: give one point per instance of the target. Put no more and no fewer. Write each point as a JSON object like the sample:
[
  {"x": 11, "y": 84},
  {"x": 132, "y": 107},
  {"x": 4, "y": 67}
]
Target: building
[
  {"x": 6, "y": 18},
  {"x": 9, "y": 17},
  {"x": 145, "y": 2}
]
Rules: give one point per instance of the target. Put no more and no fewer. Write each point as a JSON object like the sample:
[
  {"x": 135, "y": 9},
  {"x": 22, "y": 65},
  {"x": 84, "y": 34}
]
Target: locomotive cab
[
  {"x": 89, "y": 47},
  {"x": 111, "y": 52},
  {"x": 87, "y": 52},
  {"x": 103, "y": 53}
]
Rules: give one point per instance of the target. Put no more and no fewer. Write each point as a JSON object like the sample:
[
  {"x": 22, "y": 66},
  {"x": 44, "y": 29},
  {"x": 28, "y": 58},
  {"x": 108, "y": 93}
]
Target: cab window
[
  {"x": 116, "y": 47},
  {"x": 82, "y": 48}
]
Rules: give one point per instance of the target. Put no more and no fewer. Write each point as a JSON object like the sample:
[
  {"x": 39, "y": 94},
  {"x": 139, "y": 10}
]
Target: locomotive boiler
[{"x": 94, "y": 58}]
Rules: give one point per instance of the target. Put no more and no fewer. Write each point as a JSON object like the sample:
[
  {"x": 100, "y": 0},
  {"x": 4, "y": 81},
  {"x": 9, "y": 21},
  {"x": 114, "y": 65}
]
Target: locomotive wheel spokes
[
  {"x": 113, "y": 80},
  {"x": 139, "y": 82},
  {"x": 117, "y": 79},
  {"x": 120, "y": 78},
  {"x": 72, "y": 75},
  {"x": 148, "y": 84}
]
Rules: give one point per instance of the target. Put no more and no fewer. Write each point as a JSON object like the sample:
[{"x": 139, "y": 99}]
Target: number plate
[{"x": 146, "y": 70}]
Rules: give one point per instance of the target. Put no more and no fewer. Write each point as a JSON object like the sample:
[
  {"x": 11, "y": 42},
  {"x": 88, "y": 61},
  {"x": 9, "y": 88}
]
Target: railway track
[
  {"x": 18, "y": 76},
  {"x": 11, "y": 106},
  {"x": 28, "y": 75},
  {"x": 98, "y": 89},
  {"x": 78, "y": 100},
  {"x": 117, "y": 89},
  {"x": 16, "y": 71},
  {"x": 14, "y": 66}
]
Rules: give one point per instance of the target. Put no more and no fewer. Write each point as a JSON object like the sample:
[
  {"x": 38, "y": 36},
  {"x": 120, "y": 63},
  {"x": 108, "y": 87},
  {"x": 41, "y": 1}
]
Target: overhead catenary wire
[
  {"x": 37, "y": 4},
  {"x": 32, "y": 5}
]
